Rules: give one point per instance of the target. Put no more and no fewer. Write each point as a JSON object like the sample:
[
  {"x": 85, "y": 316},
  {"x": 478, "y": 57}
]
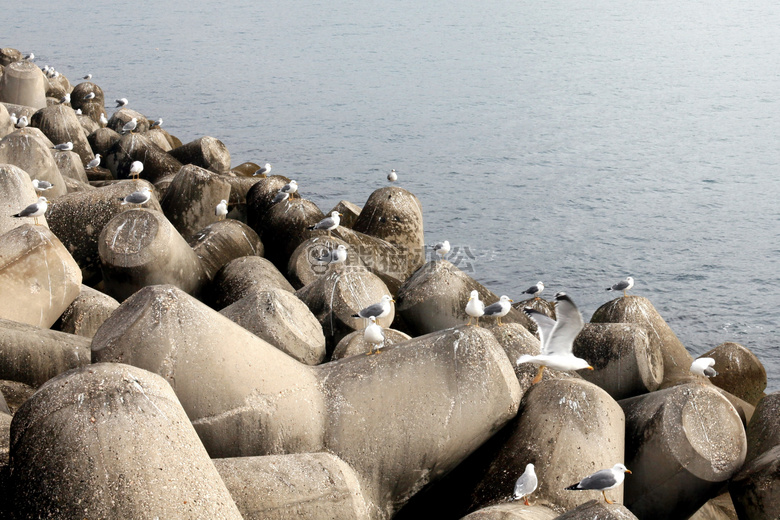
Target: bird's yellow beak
[
  {"x": 392, "y": 301},
  {"x": 341, "y": 214},
  {"x": 591, "y": 368},
  {"x": 628, "y": 471},
  {"x": 511, "y": 300}
]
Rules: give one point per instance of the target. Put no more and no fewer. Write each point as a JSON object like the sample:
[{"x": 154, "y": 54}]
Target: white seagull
[
  {"x": 103, "y": 120},
  {"x": 89, "y": 96},
  {"x": 703, "y": 367},
  {"x": 141, "y": 196},
  {"x": 335, "y": 256},
  {"x": 377, "y": 310},
  {"x": 14, "y": 119},
  {"x": 263, "y": 170},
  {"x": 135, "y": 169},
  {"x": 130, "y": 126},
  {"x": 442, "y": 248},
  {"x": 392, "y": 176},
  {"x": 30, "y": 57},
  {"x": 557, "y": 338},
  {"x": 328, "y": 223},
  {"x": 157, "y": 123},
  {"x": 526, "y": 484},
  {"x": 499, "y": 309},
  {"x": 65, "y": 99},
  {"x": 475, "y": 308},
  {"x": 221, "y": 211},
  {"x": 280, "y": 197},
  {"x": 42, "y": 185},
  {"x": 374, "y": 335},
  {"x": 121, "y": 102},
  {"x": 87, "y": 77},
  {"x": 21, "y": 123},
  {"x": 535, "y": 290},
  {"x": 289, "y": 188},
  {"x": 603, "y": 480},
  {"x": 34, "y": 210},
  {"x": 94, "y": 163},
  {"x": 64, "y": 147},
  {"x": 625, "y": 285}
]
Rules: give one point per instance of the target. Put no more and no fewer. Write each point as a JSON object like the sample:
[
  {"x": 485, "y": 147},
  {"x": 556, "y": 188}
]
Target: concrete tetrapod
[
  {"x": 300, "y": 485},
  {"x": 140, "y": 247},
  {"x": 259, "y": 199},
  {"x": 639, "y": 310},
  {"x": 16, "y": 193},
  {"x": 31, "y": 151},
  {"x": 568, "y": 428},
  {"x": 22, "y": 83},
  {"x": 625, "y": 362},
  {"x": 6, "y": 125},
  {"x": 354, "y": 344},
  {"x": 284, "y": 227},
  {"x": 399, "y": 419},
  {"x": 513, "y": 511},
  {"x": 222, "y": 242},
  {"x": 92, "y": 108},
  {"x": 124, "y": 449},
  {"x": 38, "y": 277},
  {"x": 191, "y": 198},
  {"x": 755, "y": 490},
  {"x": 206, "y": 152},
  {"x": 60, "y": 124},
  {"x": 87, "y": 312},
  {"x": 739, "y": 371},
  {"x": 243, "y": 276},
  {"x": 598, "y": 509},
  {"x": 137, "y": 147},
  {"x": 682, "y": 444}
]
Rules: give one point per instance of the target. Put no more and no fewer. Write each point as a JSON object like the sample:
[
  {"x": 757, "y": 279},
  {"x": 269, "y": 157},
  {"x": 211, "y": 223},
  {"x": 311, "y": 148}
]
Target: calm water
[{"x": 558, "y": 141}]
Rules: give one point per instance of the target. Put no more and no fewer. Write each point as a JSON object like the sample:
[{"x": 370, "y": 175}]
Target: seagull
[
  {"x": 535, "y": 290},
  {"x": 34, "y": 210},
  {"x": 289, "y": 188},
  {"x": 42, "y": 185},
  {"x": 499, "y": 309},
  {"x": 103, "y": 120},
  {"x": 87, "y": 77},
  {"x": 30, "y": 57},
  {"x": 221, "y": 210},
  {"x": 374, "y": 335},
  {"x": 14, "y": 119},
  {"x": 377, "y": 310},
  {"x": 65, "y": 99},
  {"x": 475, "y": 308},
  {"x": 94, "y": 163},
  {"x": 442, "y": 248},
  {"x": 157, "y": 123},
  {"x": 557, "y": 337},
  {"x": 141, "y": 196},
  {"x": 135, "y": 169},
  {"x": 121, "y": 102},
  {"x": 335, "y": 256},
  {"x": 703, "y": 367},
  {"x": 64, "y": 147},
  {"x": 280, "y": 197},
  {"x": 392, "y": 176},
  {"x": 130, "y": 126},
  {"x": 328, "y": 223},
  {"x": 263, "y": 170},
  {"x": 78, "y": 111},
  {"x": 89, "y": 96},
  {"x": 21, "y": 123},
  {"x": 526, "y": 484},
  {"x": 603, "y": 480},
  {"x": 625, "y": 285}
]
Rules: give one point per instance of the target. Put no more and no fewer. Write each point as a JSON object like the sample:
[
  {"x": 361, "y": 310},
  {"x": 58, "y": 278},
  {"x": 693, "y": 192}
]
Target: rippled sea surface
[{"x": 574, "y": 143}]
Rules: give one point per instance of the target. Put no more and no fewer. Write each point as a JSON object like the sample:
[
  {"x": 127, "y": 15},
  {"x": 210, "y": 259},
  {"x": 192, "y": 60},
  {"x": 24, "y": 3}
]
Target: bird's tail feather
[{"x": 573, "y": 486}]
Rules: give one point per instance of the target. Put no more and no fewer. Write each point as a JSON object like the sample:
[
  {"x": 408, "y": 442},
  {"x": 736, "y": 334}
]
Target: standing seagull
[
  {"x": 130, "y": 126},
  {"x": 34, "y": 210},
  {"x": 288, "y": 189},
  {"x": 65, "y": 99},
  {"x": 603, "y": 480},
  {"x": 526, "y": 484},
  {"x": 157, "y": 123},
  {"x": 94, "y": 163},
  {"x": 221, "y": 210},
  {"x": 135, "y": 169},
  {"x": 263, "y": 170},
  {"x": 442, "y": 248},
  {"x": 499, "y": 309},
  {"x": 475, "y": 308},
  {"x": 14, "y": 119},
  {"x": 377, "y": 310},
  {"x": 121, "y": 102},
  {"x": 139, "y": 197},
  {"x": 703, "y": 367},
  {"x": 42, "y": 185},
  {"x": 64, "y": 147},
  {"x": 625, "y": 285},
  {"x": 374, "y": 335},
  {"x": 535, "y": 290},
  {"x": 30, "y": 57},
  {"x": 21, "y": 123},
  {"x": 103, "y": 120},
  {"x": 335, "y": 256},
  {"x": 328, "y": 223},
  {"x": 87, "y": 77},
  {"x": 392, "y": 176},
  {"x": 557, "y": 338}
]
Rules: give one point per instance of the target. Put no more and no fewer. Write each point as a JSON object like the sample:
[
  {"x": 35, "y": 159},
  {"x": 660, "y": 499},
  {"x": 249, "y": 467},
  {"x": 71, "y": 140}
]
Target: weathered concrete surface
[
  {"x": 756, "y": 488},
  {"x": 23, "y": 83},
  {"x": 207, "y": 152},
  {"x": 354, "y": 344},
  {"x": 123, "y": 116},
  {"x": 682, "y": 444},
  {"x": 718, "y": 508},
  {"x": 513, "y": 511},
  {"x": 87, "y": 312},
  {"x": 60, "y": 124},
  {"x": 335, "y": 297},
  {"x": 598, "y": 509},
  {"x": 138, "y": 147},
  {"x": 304, "y": 268},
  {"x": 568, "y": 428},
  {"x": 435, "y": 298},
  {"x": 31, "y": 151},
  {"x": 140, "y": 247},
  {"x": 16, "y": 193},
  {"x": 6, "y": 125},
  {"x": 33, "y": 355},
  {"x": 284, "y": 227},
  {"x": 242, "y": 276},
  {"x": 349, "y": 213},
  {"x": 284, "y": 321},
  {"x": 124, "y": 449},
  {"x": 70, "y": 165},
  {"x": 16, "y": 393},
  {"x": 626, "y": 363},
  {"x": 739, "y": 371},
  {"x": 763, "y": 432},
  {"x": 79, "y": 218},
  {"x": 259, "y": 197},
  {"x": 639, "y": 310},
  {"x": 224, "y": 241},
  {"x": 239, "y": 187},
  {"x": 102, "y": 139},
  {"x": 382, "y": 258},
  {"x": 38, "y": 277},
  {"x": 303, "y": 485},
  {"x": 92, "y": 108},
  {"x": 395, "y": 215},
  {"x": 9, "y": 55},
  {"x": 191, "y": 198}
]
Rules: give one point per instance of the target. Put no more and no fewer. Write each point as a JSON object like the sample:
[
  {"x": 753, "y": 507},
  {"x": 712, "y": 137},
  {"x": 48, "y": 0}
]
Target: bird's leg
[
  {"x": 499, "y": 321},
  {"x": 370, "y": 349},
  {"x": 469, "y": 323},
  {"x": 477, "y": 321},
  {"x": 329, "y": 235},
  {"x": 539, "y": 374},
  {"x": 35, "y": 219},
  {"x": 525, "y": 499},
  {"x": 604, "y": 492}
]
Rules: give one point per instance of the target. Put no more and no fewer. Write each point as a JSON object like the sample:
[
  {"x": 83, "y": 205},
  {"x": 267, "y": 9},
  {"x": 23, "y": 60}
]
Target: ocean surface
[{"x": 569, "y": 142}]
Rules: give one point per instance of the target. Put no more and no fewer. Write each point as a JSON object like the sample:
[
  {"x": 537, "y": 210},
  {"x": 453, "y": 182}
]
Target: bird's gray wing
[
  {"x": 602, "y": 479},
  {"x": 136, "y": 198},
  {"x": 372, "y": 310},
  {"x": 525, "y": 485},
  {"x": 325, "y": 223},
  {"x": 29, "y": 210},
  {"x": 280, "y": 197},
  {"x": 567, "y": 327},
  {"x": 493, "y": 308},
  {"x": 544, "y": 323},
  {"x": 620, "y": 286}
]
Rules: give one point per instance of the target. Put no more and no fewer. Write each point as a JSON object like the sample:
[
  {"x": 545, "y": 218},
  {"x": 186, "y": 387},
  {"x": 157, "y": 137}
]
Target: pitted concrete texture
[
  {"x": 739, "y": 371},
  {"x": 30, "y": 150},
  {"x": 242, "y": 276},
  {"x": 207, "y": 152},
  {"x": 190, "y": 199},
  {"x": 224, "y": 241}
]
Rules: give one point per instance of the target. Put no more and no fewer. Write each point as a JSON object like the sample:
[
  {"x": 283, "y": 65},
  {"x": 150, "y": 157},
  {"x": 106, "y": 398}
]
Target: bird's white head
[
  {"x": 372, "y": 319},
  {"x": 335, "y": 214},
  {"x": 387, "y": 298},
  {"x": 293, "y": 182},
  {"x": 42, "y": 199},
  {"x": 474, "y": 295},
  {"x": 621, "y": 467},
  {"x": 505, "y": 298},
  {"x": 223, "y": 201},
  {"x": 342, "y": 247}
]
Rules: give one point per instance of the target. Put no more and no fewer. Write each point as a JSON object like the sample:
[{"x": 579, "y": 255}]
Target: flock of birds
[{"x": 601, "y": 480}]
